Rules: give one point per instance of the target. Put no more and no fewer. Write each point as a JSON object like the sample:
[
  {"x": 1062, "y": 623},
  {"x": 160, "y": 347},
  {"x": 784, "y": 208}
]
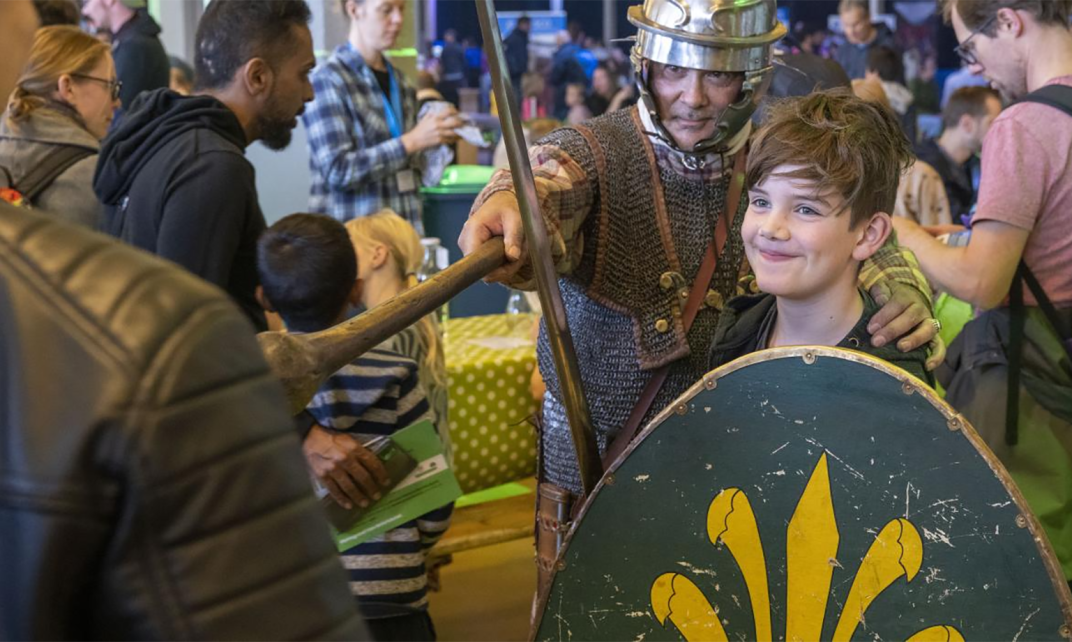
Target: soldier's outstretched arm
[{"x": 566, "y": 195}]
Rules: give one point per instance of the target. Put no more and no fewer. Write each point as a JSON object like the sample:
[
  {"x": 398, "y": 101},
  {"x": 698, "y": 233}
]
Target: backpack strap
[
  {"x": 40, "y": 177},
  {"x": 1017, "y": 320},
  {"x": 1063, "y": 331},
  {"x": 1056, "y": 96},
  {"x": 1059, "y": 97}
]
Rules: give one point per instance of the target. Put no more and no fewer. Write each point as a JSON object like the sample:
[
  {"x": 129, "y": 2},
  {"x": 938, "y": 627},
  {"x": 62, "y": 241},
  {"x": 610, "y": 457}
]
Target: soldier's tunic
[{"x": 627, "y": 217}]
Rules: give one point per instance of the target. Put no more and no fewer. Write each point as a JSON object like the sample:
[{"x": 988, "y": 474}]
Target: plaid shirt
[{"x": 353, "y": 158}]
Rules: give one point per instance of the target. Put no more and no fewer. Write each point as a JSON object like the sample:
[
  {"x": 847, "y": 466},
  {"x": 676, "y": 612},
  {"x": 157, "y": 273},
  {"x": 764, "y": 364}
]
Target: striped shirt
[
  {"x": 376, "y": 395},
  {"x": 353, "y": 158},
  {"x": 408, "y": 344}
]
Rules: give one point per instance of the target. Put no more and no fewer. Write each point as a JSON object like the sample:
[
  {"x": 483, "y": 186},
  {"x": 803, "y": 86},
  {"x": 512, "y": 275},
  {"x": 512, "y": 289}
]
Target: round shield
[{"x": 806, "y": 494}]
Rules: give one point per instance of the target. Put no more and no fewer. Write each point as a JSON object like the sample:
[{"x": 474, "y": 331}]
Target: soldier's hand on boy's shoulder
[
  {"x": 935, "y": 353},
  {"x": 351, "y": 473},
  {"x": 905, "y": 317}
]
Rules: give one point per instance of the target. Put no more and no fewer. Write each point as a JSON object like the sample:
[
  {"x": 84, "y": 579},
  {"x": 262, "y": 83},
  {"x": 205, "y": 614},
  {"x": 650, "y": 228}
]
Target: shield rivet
[
  {"x": 609, "y": 479},
  {"x": 954, "y": 424},
  {"x": 681, "y": 409},
  {"x": 661, "y": 326},
  {"x": 1021, "y": 521},
  {"x": 560, "y": 565},
  {"x": 710, "y": 384},
  {"x": 809, "y": 358},
  {"x": 907, "y": 388},
  {"x": 1065, "y": 631}
]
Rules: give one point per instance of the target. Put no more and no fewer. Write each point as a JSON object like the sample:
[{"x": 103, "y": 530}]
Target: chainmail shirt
[{"x": 614, "y": 299}]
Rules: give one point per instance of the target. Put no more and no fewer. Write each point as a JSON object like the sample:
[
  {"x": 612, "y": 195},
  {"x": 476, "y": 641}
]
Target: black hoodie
[
  {"x": 140, "y": 60},
  {"x": 174, "y": 181}
]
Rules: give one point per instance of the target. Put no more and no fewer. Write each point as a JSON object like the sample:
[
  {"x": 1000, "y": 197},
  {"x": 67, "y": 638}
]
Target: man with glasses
[{"x": 1009, "y": 371}]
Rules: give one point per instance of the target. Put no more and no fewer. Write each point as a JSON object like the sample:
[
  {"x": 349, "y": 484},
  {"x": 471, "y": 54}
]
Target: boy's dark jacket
[{"x": 742, "y": 319}]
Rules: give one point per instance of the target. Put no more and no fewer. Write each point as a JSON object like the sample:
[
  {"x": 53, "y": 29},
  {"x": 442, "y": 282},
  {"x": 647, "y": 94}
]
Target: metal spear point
[{"x": 554, "y": 313}]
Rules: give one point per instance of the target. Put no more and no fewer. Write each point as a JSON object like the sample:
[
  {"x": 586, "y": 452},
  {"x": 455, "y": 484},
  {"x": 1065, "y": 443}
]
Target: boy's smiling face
[{"x": 798, "y": 240}]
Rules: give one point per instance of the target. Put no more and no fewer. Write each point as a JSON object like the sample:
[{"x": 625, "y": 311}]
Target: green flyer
[{"x": 429, "y": 486}]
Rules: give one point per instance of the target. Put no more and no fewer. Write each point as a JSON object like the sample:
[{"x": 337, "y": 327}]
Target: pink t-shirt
[{"x": 1026, "y": 181}]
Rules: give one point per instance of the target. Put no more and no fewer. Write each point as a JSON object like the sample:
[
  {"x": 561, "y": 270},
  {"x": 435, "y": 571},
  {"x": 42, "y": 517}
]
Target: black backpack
[{"x": 39, "y": 178}]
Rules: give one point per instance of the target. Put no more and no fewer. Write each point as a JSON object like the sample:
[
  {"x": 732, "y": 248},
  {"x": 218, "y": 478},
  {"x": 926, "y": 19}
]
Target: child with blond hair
[{"x": 389, "y": 255}]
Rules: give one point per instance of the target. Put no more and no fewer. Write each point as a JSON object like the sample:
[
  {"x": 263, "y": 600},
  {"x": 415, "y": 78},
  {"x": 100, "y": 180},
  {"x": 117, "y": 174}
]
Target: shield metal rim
[{"x": 909, "y": 385}]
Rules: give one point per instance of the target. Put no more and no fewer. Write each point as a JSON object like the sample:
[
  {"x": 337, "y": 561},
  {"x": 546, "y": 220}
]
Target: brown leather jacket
[{"x": 151, "y": 484}]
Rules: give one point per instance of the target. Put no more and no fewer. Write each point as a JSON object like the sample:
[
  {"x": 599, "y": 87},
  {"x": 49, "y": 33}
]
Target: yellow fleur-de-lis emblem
[{"x": 811, "y": 552}]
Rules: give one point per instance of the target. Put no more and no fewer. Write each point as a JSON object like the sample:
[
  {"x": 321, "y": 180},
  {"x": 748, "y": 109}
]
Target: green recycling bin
[{"x": 446, "y": 208}]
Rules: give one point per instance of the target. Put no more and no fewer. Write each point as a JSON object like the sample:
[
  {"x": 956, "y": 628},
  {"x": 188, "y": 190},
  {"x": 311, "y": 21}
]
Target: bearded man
[
  {"x": 174, "y": 178},
  {"x": 633, "y": 200}
]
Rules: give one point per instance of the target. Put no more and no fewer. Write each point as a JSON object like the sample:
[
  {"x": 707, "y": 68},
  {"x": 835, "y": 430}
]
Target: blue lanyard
[{"x": 392, "y": 108}]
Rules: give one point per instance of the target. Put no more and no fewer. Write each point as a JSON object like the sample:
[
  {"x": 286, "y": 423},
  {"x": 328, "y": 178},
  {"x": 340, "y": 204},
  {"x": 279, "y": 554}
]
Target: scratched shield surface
[{"x": 804, "y": 494}]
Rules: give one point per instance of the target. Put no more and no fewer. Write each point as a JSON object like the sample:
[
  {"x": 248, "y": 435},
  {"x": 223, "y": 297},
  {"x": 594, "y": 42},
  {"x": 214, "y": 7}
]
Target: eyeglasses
[
  {"x": 967, "y": 54},
  {"x": 115, "y": 85}
]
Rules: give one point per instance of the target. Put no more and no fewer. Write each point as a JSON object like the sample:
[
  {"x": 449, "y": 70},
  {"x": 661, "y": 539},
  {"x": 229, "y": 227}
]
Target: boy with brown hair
[{"x": 822, "y": 176}]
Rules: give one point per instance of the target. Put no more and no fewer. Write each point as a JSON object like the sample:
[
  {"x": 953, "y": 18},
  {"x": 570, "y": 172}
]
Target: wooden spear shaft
[
  {"x": 554, "y": 312},
  {"x": 303, "y": 361}
]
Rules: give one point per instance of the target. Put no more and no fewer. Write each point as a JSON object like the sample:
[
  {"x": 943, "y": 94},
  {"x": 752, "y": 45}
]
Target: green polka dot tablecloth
[{"x": 489, "y": 363}]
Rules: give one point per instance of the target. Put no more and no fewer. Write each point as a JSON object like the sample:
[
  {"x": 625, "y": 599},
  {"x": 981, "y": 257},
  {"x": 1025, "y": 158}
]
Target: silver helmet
[{"x": 714, "y": 35}]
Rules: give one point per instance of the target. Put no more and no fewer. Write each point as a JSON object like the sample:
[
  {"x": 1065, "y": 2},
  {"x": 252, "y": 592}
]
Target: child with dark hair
[
  {"x": 308, "y": 272},
  {"x": 822, "y": 175}
]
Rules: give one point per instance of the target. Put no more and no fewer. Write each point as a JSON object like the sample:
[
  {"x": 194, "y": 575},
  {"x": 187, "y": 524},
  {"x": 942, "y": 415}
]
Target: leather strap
[{"x": 692, "y": 307}]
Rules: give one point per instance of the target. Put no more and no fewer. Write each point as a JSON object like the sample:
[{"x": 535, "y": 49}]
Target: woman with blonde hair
[
  {"x": 389, "y": 254},
  {"x": 50, "y": 133}
]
